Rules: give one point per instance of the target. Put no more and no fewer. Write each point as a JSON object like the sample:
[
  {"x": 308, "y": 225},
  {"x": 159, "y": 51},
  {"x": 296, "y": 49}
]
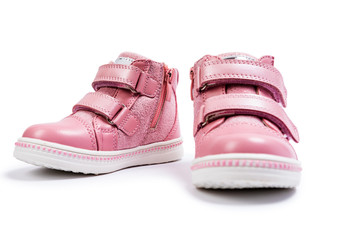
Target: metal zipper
[{"x": 162, "y": 99}]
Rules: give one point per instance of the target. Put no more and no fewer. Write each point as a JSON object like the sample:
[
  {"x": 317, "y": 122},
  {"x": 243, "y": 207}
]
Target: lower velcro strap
[
  {"x": 111, "y": 109},
  {"x": 247, "y": 104}
]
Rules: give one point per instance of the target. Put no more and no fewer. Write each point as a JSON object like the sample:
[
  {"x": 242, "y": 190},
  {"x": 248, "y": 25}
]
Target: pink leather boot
[
  {"x": 131, "y": 119},
  {"x": 241, "y": 130}
]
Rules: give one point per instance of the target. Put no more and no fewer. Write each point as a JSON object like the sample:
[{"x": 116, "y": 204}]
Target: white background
[{"x": 50, "y": 52}]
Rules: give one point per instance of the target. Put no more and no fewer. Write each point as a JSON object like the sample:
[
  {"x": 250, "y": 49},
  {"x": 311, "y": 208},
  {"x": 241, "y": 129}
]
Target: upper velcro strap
[
  {"x": 241, "y": 72},
  {"x": 243, "y": 104},
  {"x": 110, "y": 108},
  {"x": 125, "y": 76}
]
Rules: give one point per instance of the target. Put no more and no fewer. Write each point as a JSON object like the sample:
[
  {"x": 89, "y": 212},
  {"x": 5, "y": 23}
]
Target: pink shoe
[
  {"x": 131, "y": 119},
  {"x": 241, "y": 130}
]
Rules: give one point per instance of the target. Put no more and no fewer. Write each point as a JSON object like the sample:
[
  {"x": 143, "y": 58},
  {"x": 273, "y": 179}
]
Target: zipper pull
[
  {"x": 168, "y": 80},
  {"x": 192, "y": 83}
]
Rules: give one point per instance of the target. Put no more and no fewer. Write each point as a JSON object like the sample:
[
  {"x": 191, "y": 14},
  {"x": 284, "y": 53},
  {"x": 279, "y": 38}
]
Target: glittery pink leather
[
  {"x": 238, "y": 106},
  {"x": 121, "y": 113}
]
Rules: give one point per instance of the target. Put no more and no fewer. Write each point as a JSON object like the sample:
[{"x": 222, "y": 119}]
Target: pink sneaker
[
  {"x": 241, "y": 130},
  {"x": 131, "y": 119}
]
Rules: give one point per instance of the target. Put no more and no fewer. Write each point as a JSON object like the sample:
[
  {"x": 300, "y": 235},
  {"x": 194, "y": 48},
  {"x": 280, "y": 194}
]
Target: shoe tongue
[
  {"x": 124, "y": 60},
  {"x": 238, "y": 56},
  {"x": 127, "y": 58}
]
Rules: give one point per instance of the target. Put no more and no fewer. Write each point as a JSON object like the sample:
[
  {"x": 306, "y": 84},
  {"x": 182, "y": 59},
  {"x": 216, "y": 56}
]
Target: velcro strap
[
  {"x": 125, "y": 76},
  {"x": 241, "y": 72},
  {"x": 111, "y": 109},
  {"x": 243, "y": 104}
]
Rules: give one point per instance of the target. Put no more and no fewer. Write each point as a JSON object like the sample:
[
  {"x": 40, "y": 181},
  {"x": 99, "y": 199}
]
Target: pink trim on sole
[
  {"x": 55, "y": 151},
  {"x": 247, "y": 163}
]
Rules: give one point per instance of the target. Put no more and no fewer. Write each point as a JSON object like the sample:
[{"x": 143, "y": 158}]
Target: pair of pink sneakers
[{"x": 241, "y": 130}]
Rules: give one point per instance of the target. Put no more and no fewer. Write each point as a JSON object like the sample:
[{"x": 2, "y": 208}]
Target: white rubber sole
[
  {"x": 66, "y": 158},
  {"x": 230, "y": 171}
]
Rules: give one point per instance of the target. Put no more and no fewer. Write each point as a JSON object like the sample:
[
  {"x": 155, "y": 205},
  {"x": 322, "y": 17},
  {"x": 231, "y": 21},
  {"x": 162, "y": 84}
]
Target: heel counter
[{"x": 175, "y": 130}]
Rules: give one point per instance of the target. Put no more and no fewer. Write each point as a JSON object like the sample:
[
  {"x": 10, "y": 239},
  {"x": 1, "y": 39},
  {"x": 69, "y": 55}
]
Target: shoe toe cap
[
  {"x": 245, "y": 140},
  {"x": 69, "y": 131}
]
